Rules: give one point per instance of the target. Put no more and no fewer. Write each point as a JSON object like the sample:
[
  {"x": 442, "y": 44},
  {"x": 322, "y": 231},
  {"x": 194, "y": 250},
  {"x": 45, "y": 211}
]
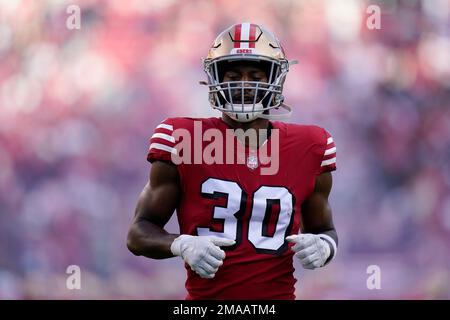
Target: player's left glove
[{"x": 310, "y": 249}]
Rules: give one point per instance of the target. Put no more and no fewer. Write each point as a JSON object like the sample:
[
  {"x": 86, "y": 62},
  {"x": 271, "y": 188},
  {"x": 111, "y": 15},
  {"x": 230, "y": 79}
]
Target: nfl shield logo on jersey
[{"x": 252, "y": 161}]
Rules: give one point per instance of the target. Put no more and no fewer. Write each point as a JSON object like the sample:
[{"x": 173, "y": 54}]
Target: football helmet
[{"x": 245, "y": 101}]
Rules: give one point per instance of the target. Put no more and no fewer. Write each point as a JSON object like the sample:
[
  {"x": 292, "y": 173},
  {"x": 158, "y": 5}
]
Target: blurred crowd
[{"x": 77, "y": 108}]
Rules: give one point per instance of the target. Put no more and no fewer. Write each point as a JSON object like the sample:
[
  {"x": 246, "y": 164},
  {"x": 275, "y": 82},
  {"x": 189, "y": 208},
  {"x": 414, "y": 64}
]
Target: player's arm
[
  {"x": 155, "y": 206},
  {"x": 316, "y": 211},
  {"x": 317, "y": 244},
  {"x": 147, "y": 236}
]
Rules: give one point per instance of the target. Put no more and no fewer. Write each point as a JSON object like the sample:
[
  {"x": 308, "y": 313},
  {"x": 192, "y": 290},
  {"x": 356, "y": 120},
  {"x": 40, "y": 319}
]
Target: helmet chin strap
[
  {"x": 281, "y": 116},
  {"x": 241, "y": 116}
]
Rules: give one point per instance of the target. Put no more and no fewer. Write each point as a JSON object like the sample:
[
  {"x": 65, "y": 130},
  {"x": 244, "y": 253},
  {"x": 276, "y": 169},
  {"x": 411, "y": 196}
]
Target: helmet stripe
[
  {"x": 237, "y": 35},
  {"x": 252, "y": 36},
  {"x": 245, "y": 35}
]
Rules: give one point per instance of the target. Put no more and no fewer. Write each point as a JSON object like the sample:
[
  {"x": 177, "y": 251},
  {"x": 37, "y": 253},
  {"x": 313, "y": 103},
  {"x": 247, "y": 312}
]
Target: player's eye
[
  {"x": 232, "y": 76},
  {"x": 257, "y": 76}
]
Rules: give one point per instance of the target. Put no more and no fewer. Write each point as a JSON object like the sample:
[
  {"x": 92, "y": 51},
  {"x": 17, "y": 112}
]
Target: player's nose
[{"x": 246, "y": 77}]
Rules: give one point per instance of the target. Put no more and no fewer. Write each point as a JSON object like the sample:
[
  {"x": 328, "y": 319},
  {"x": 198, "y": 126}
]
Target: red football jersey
[{"x": 236, "y": 201}]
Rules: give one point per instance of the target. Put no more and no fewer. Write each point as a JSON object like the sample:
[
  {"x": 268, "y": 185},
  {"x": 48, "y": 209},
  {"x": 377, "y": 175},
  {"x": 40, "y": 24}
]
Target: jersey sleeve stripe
[
  {"x": 329, "y": 140},
  {"x": 163, "y": 136},
  {"x": 165, "y": 126},
  {"x": 163, "y": 147},
  {"x": 330, "y": 151},
  {"x": 328, "y": 162}
]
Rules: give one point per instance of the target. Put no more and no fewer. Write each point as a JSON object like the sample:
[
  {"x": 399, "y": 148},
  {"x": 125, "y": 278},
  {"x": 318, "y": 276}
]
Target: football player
[{"x": 240, "y": 229}]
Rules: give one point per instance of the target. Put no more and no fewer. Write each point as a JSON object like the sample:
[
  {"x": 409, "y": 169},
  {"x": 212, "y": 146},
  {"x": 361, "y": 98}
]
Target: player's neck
[{"x": 262, "y": 127}]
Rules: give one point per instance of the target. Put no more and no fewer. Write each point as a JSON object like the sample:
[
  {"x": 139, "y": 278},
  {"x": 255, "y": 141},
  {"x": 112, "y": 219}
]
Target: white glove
[
  {"x": 310, "y": 249},
  {"x": 201, "y": 253}
]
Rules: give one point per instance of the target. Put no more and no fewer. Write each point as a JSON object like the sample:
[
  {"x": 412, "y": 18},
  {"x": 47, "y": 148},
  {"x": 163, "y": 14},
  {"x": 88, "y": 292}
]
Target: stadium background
[{"x": 77, "y": 108}]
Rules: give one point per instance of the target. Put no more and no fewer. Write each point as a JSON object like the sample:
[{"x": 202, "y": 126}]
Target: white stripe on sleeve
[
  {"x": 330, "y": 140},
  {"x": 165, "y": 126},
  {"x": 163, "y": 147},
  {"x": 330, "y": 151},
  {"x": 328, "y": 162},
  {"x": 163, "y": 136}
]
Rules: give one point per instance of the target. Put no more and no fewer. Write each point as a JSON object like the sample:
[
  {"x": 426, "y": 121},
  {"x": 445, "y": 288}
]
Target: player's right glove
[{"x": 201, "y": 253}]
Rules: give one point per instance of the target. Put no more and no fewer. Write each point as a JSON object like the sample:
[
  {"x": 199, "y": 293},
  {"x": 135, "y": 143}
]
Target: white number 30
[{"x": 263, "y": 201}]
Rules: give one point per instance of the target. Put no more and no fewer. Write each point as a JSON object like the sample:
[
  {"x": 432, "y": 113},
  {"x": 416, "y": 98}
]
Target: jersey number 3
[{"x": 263, "y": 201}]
